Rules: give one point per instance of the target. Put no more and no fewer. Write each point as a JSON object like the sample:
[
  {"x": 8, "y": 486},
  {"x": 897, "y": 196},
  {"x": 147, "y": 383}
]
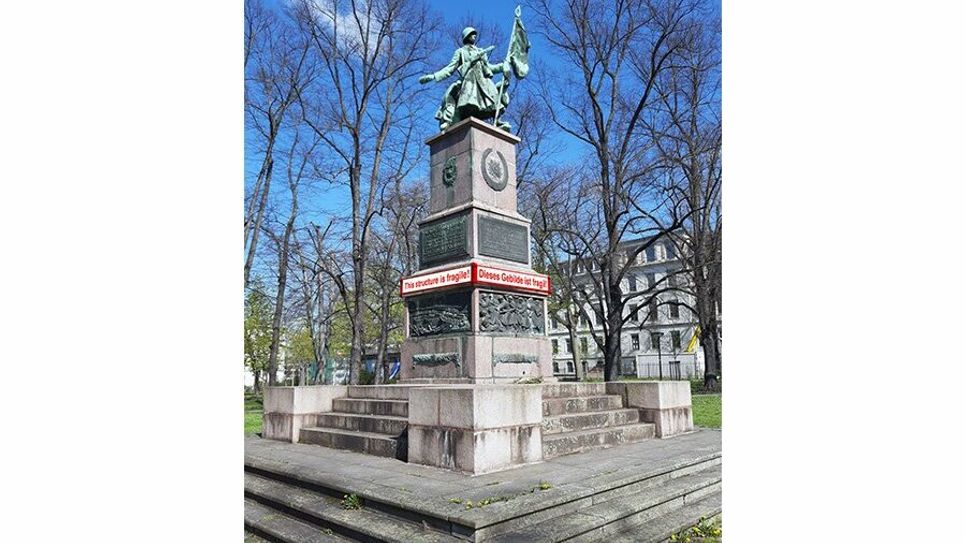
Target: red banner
[{"x": 477, "y": 275}]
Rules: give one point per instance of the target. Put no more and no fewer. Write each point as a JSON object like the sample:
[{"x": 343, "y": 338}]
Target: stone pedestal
[
  {"x": 667, "y": 404},
  {"x": 475, "y": 428},
  {"x": 476, "y": 311},
  {"x": 289, "y": 409}
]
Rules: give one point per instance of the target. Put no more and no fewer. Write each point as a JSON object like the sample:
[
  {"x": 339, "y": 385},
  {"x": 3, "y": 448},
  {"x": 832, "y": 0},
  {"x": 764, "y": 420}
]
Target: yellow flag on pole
[{"x": 693, "y": 344}]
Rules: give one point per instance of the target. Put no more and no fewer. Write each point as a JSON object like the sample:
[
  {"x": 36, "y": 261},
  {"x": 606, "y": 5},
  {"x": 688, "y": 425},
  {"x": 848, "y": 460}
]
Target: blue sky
[{"x": 329, "y": 200}]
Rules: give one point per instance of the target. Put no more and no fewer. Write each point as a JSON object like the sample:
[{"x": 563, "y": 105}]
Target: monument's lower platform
[
  {"x": 640, "y": 492},
  {"x": 476, "y": 358},
  {"x": 477, "y": 428}
]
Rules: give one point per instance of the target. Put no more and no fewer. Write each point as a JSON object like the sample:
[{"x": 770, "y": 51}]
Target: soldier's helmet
[{"x": 467, "y": 31}]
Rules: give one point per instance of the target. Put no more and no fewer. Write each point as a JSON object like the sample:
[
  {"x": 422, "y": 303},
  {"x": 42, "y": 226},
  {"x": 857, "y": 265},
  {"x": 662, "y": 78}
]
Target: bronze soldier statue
[{"x": 475, "y": 94}]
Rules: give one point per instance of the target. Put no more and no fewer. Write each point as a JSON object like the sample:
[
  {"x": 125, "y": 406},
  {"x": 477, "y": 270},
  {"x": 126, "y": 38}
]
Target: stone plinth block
[
  {"x": 667, "y": 404},
  {"x": 473, "y": 162},
  {"x": 477, "y": 358},
  {"x": 289, "y": 409},
  {"x": 475, "y": 428}
]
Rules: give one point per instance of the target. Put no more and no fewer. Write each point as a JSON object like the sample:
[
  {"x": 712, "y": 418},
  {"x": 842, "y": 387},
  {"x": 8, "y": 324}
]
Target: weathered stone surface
[
  {"x": 569, "y": 390},
  {"x": 302, "y": 399},
  {"x": 587, "y": 421},
  {"x": 667, "y": 404},
  {"x": 352, "y": 440},
  {"x": 656, "y": 530},
  {"x": 280, "y": 527},
  {"x": 336, "y": 522},
  {"x": 653, "y": 394},
  {"x": 380, "y": 424},
  {"x": 580, "y": 404},
  {"x": 573, "y": 442},
  {"x": 289, "y": 409},
  {"x": 425, "y": 492},
  {"x": 379, "y": 392},
  {"x": 671, "y": 421},
  {"x": 474, "y": 451},
  {"x": 396, "y": 408},
  {"x": 475, "y": 429},
  {"x": 467, "y": 141}
]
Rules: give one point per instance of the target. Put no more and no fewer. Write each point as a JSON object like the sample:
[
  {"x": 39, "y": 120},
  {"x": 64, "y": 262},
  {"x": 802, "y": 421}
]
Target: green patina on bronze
[
  {"x": 449, "y": 171},
  {"x": 442, "y": 241},
  {"x": 475, "y": 94}
]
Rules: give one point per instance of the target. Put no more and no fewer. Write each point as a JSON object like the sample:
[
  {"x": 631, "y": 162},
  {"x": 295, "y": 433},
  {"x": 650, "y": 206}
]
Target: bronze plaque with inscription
[
  {"x": 442, "y": 241},
  {"x": 502, "y": 239}
]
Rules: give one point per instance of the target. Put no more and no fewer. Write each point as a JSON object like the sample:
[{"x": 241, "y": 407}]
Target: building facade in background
[{"x": 655, "y": 340}]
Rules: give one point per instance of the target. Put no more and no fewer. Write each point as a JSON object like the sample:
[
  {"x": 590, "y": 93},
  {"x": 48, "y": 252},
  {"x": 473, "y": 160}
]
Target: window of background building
[
  {"x": 675, "y": 309},
  {"x": 655, "y": 340},
  {"x": 631, "y": 283},
  {"x": 675, "y": 339},
  {"x": 583, "y": 320},
  {"x": 553, "y": 323},
  {"x": 583, "y": 345},
  {"x": 570, "y": 367},
  {"x": 635, "y": 342},
  {"x": 556, "y": 367},
  {"x": 556, "y": 346},
  {"x": 632, "y": 309},
  {"x": 596, "y": 319},
  {"x": 570, "y": 345},
  {"x": 669, "y": 250},
  {"x": 651, "y": 280},
  {"x": 652, "y": 312},
  {"x": 649, "y": 253}
]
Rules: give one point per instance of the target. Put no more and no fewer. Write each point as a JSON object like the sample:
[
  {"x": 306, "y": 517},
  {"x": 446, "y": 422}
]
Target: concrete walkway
[{"x": 514, "y": 492}]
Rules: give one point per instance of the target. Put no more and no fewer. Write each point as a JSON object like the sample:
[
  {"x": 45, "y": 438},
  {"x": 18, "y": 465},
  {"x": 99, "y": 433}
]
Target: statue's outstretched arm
[{"x": 445, "y": 72}]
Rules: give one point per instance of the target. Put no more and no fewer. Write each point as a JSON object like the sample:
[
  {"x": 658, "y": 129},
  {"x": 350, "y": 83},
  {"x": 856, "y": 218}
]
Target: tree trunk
[
  {"x": 257, "y": 226},
  {"x": 280, "y": 299},
  {"x": 575, "y": 353},
  {"x": 258, "y": 386}
]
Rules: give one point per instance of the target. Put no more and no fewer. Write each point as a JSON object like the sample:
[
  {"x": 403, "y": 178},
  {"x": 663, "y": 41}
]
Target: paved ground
[{"x": 435, "y": 491}]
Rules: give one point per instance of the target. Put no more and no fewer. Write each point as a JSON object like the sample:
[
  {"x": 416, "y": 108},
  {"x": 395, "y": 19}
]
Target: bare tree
[
  {"x": 277, "y": 67},
  {"x": 393, "y": 257},
  {"x": 687, "y": 131},
  {"x": 603, "y": 102},
  {"x": 298, "y": 165},
  {"x": 363, "y": 109}
]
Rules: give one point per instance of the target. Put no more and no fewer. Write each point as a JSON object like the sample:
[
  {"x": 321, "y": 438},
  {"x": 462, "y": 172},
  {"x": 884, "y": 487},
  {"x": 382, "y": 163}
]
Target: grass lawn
[
  {"x": 707, "y": 410},
  {"x": 253, "y": 414}
]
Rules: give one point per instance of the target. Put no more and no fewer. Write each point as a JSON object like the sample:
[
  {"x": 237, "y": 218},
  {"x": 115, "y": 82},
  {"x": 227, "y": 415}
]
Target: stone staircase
[
  {"x": 293, "y": 501},
  {"x": 370, "y": 420},
  {"x": 579, "y": 417}
]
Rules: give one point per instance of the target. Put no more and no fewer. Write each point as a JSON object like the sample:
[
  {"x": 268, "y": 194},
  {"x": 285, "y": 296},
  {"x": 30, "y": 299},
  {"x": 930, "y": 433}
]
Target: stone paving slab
[{"x": 430, "y": 490}]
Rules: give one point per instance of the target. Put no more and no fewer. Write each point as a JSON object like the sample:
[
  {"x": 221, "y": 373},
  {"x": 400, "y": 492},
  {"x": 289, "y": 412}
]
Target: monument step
[
  {"x": 598, "y": 438},
  {"x": 571, "y": 390},
  {"x": 394, "y": 408},
  {"x": 265, "y": 522},
  {"x": 630, "y": 513},
  {"x": 379, "y": 392},
  {"x": 326, "y": 515},
  {"x": 584, "y": 404},
  {"x": 586, "y": 421},
  {"x": 660, "y": 529},
  {"x": 351, "y": 440},
  {"x": 376, "y": 424},
  {"x": 423, "y": 496}
]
